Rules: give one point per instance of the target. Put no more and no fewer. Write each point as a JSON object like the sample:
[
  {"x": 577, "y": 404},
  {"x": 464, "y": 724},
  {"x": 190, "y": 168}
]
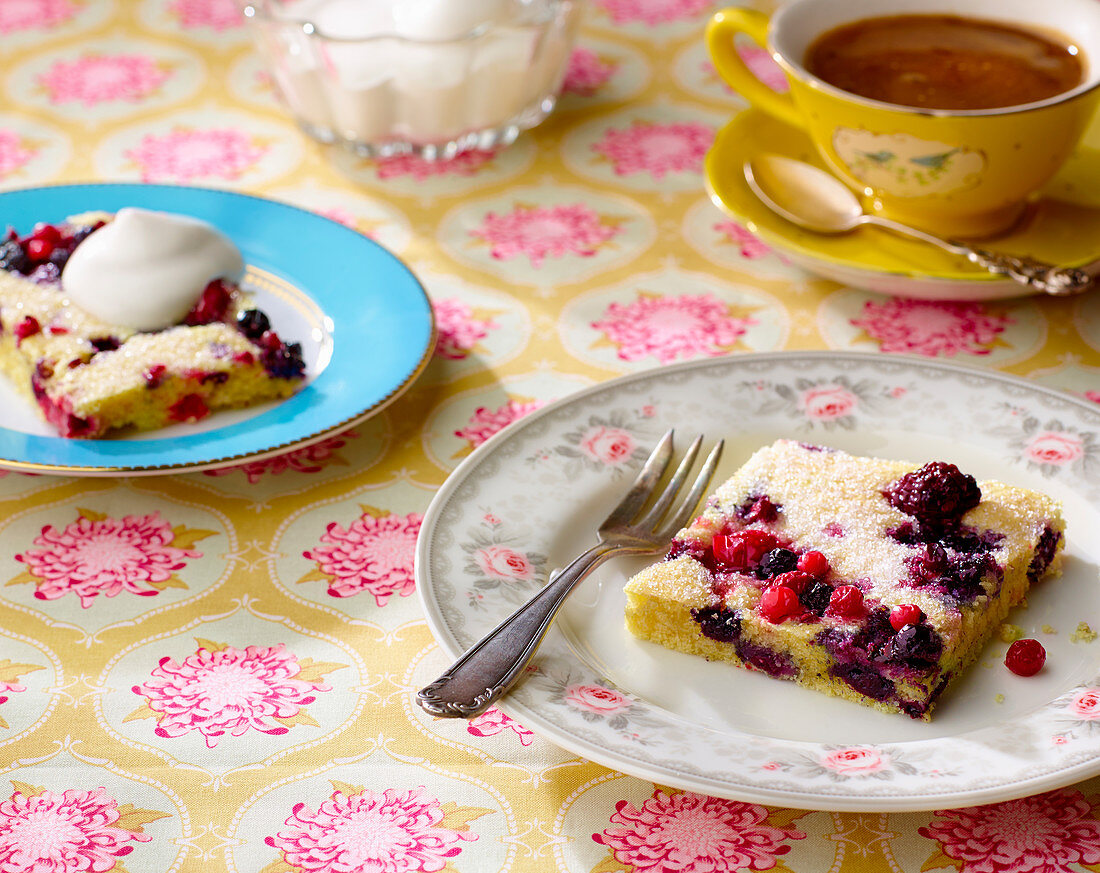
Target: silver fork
[{"x": 491, "y": 666}]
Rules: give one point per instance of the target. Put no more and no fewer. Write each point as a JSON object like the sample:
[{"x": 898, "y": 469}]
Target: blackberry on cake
[{"x": 873, "y": 580}]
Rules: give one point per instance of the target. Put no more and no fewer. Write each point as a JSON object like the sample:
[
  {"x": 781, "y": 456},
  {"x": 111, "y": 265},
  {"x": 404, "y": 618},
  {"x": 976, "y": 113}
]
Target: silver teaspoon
[{"x": 818, "y": 201}]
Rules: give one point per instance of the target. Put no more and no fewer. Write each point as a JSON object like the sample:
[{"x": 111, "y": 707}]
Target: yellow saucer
[{"x": 1062, "y": 227}]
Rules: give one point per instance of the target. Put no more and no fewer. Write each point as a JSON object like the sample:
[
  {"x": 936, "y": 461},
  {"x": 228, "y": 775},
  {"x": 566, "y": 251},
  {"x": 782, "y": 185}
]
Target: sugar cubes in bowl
[{"x": 427, "y": 77}]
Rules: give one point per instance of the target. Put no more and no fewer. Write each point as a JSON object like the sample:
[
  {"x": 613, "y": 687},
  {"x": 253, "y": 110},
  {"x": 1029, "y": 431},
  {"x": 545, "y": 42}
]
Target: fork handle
[{"x": 489, "y": 668}]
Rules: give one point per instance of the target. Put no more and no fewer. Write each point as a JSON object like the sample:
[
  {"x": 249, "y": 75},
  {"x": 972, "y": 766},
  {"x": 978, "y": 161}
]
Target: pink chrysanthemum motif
[
  {"x": 374, "y": 554},
  {"x": 672, "y": 327},
  {"x": 931, "y": 327},
  {"x": 218, "y": 15},
  {"x": 1045, "y": 833},
  {"x": 104, "y": 557},
  {"x": 311, "y": 459},
  {"x": 486, "y": 422},
  {"x": 493, "y": 722},
  {"x": 369, "y": 832},
  {"x": 227, "y": 691},
  {"x": 540, "y": 232},
  {"x": 692, "y": 833},
  {"x": 340, "y": 215},
  {"x": 94, "y": 79},
  {"x": 464, "y": 164},
  {"x": 16, "y": 15},
  {"x": 459, "y": 329},
  {"x": 14, "y": 153},
  {"x": 587, "y": 73},
  {"x": 183, "y": 155},
  {"x": 750, "y": 245},
  {"x": 71, "y": 832},
  {"x": 656, "y": 149},
  {"x": 653, "y": 12}
]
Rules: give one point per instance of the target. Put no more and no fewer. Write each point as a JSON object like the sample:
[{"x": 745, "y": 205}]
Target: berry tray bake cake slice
[
  {"x": 91, "y": 376},
  {"x": 872, "y": 580}
]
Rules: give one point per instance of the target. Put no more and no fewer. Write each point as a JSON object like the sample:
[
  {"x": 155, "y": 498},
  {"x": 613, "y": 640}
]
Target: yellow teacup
[{"x": 953, "y": 172}]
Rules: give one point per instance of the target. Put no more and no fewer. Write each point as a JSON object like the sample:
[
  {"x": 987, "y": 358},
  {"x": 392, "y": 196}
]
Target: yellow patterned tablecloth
[{"x": 213, "y": 671}]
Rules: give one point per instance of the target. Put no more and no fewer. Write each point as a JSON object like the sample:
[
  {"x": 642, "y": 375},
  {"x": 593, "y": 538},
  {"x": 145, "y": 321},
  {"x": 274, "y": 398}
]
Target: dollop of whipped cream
[{"x": 146, "y": 269}]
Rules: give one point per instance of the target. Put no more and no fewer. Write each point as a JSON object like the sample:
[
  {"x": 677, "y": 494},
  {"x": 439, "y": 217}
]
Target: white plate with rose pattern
[{"x": 530, "y": 499}]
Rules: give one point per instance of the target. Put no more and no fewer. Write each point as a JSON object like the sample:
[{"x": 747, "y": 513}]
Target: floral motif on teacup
[{"x": 906, "y": 166}]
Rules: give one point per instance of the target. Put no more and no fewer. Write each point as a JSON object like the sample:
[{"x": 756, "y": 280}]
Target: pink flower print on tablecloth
[
  {"x": 15, "y": 153},
  {"x": 931, "y": 327},
  {"x": 222, "y": 690},
  {"x": 672, "y": 327},
  {"x": 1094, "y": 396},
  {"x": 94, "y": 79},
  {"x": 418, "y": 168},
  {"x": 493, "y": 722},
  {"x": 750, "y": 245},
  {"x": 485, "y": 422},
  {"x": 218, "y": 15},
  {"x": 459, "y": 328},
  {"x": 826, "y": 402},
  {"x": 542, "y": 232},
  {"x": 76, "y": 831},
  {"x": 693, "y": 833},
  {"x": 587, "y": 72},
  {"x": 597, "y": 699},
  {"x": 1046, "y": 833},
  {"x": 653, "y": 12},
  {"x": 98, "y": 555},
  {"x": 656, "y": 149},
  {"x": 185, "y": 155},
  {"x": 855, "y": 761},
  {"x": 373, "y": 554},
  {"x": 760, "y": 62},
  {"x": 10, "y": 674},
  {"x": 309, "y": 459},
  {"x": 1057, "y": 448},
  {"x": 358, "y": 830},
  {"x": 16, "y": 15},
  {"x": 608, "y": 445}
]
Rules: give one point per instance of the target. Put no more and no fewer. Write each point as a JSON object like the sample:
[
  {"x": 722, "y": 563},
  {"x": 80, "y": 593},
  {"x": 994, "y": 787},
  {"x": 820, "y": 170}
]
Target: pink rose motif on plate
[
  {"x": 1094, "y": 396},
  {"x": 1085, "y": 705},
  {"x": 418, "y": 168},
  {"x": 668, "y": 328},
  {"x": 373, "y": 554},
  {"x": 657, "y": 149},
  {"x": 493, "y": 722},
  {"x": 750, "y": 245},
  {"x": 1054, "y": 447},
  {"x": 597, "y": 699},
  {"x": 608, "y": 445},
  {"x": 1046, "y": 833},
  {"x": 542, "y": 232},
  {"x": 94, "y": 79},
  {"x": 693, "y": 833},
  {"x": 98, "y": 555},
  {"x": 218, "y": 15},
  {"x": 309, "y": 459},
  {"x": 185, "y": 155},
  {"x": 485, "y": 422},
  {"x": 932, "y": 327},
  {"x": 459, "y": 328},
  {"x": 856, "y": 761},
  {"x": 587, "y": 72},
  {"x": 357, "y": 830},
  {"x": 75, "y": 831},
  {"x": 16, "y": 15},
  {"x": 15, "y": 152},
  {"x": 222, "y": 690},
  {"x": 501, "y": 562},
  {"x": 653, "y": 12},
  {"x": 828, "y": 402}
]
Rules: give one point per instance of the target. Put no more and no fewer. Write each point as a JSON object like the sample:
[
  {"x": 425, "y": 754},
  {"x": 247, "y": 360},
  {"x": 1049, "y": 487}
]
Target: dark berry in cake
[
  {"x": 758, "y": 507},
  {"x": 775, "y": 562},
  {"x": 104, "y": 343},
  {"x": 938, "y": 493},
  {"x": 721, "y": 625},
  {"x": 864, "y": 680},
  {"x": 285, "y": 361},
  {"x": 1044, "y": 553},
  {"x": 253, "y": 323},
  {"x": 816, "y": 597},
  {"x": 13, "y": 257},
  {"x": 1025, "y": 657},
  {"x": 917, "y": 645},
  {"x": 743, "y": 549}
]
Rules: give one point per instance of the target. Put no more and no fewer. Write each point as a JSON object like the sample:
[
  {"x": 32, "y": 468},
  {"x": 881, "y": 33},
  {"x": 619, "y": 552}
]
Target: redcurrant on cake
[
  {"x": 194, "y": 345},
  {"x": 876, "y": 581}
]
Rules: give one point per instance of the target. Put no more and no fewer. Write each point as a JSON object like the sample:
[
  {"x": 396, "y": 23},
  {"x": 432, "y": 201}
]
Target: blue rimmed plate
[{"x": 362, "y": 317}]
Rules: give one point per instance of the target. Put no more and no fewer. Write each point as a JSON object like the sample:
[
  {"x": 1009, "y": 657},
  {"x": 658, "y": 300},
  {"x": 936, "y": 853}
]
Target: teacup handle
[{"x": 721, "y": 31}]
